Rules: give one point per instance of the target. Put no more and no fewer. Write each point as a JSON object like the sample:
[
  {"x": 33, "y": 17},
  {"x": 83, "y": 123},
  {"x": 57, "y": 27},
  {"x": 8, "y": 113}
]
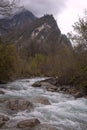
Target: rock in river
[
  {"x": 42, "y": 100},
  {"x": 49, "y": 87},
  {"x": 30, "y": 123},
  {"x": 37, "y": 84},
  {"x": 78, "y": 95},
  {"x": 2, "y": 92},
  {"x": 3, "y": 120},
  {"x": 19, "y": 104}
]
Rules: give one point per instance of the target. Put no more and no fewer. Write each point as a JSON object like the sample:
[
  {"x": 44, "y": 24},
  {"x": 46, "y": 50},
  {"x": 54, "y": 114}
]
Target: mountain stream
[{"x": 64, "y": 111}]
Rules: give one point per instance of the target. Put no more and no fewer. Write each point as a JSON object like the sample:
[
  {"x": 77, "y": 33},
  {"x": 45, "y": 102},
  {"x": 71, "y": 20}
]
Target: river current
[{"x": 65, "y": 112}]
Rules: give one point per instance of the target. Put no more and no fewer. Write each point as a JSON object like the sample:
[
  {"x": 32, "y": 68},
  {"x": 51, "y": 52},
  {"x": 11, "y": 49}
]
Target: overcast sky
[{"x": 66, "y": 12}]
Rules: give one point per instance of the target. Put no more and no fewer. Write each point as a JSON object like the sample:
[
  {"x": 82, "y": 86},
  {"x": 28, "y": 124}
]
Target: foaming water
[{"x": 65, "y": 112}]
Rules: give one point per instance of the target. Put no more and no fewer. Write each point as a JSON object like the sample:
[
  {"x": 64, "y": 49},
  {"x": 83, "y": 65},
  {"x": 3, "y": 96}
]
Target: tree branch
[{"x": 6, "y": 6}]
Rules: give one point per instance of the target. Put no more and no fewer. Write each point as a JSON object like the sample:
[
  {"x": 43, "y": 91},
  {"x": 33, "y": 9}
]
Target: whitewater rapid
[{"x": 65, "y": 112}]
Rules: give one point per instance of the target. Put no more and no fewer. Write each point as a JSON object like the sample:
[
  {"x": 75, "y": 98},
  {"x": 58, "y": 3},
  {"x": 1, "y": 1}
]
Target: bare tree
[
  {"x": 7, "y": 6},
  {"x": 79, "y": 36}
]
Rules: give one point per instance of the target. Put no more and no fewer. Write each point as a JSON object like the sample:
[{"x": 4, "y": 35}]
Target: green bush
[{"x": 9, "y": 62}]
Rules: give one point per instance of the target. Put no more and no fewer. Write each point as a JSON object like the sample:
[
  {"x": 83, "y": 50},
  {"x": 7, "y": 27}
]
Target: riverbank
[{"x": 54, "y": 85}]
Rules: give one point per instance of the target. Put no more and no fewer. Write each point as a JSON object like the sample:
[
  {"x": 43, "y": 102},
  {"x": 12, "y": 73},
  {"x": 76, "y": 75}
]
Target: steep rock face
[
  {"x": 45, "y": 25},
  {"x": 42, "y": 35},
  {"x": 18, "y": 20}
]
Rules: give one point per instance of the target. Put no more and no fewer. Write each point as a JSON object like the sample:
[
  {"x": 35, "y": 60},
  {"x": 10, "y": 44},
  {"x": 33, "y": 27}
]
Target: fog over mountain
[
  {"x": 39, "y": 7},
  {"x": 66, "y": 12}
]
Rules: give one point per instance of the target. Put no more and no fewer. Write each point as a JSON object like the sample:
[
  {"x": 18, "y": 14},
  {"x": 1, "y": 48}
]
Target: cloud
[{"x": 41, "y": 7}]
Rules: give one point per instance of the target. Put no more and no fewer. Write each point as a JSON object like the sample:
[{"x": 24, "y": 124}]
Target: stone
[
  {"x": 42, "y": 100},
  {"x": 51, "y": 90},
  {"x": 3, "y": 120},
  {"x": 30, "y": 123},
  {"x": 59, "y": 89},
  {"x": 84, "y": 90},
  {"x": 49, "y": 87},
  {"x": 78, "y": 95},
  {"x": 52, "y": 80},
  {"x": 2, "y": 92},
  {"x": 37, "y": 84},
  {"x": 19, "y": 104}
]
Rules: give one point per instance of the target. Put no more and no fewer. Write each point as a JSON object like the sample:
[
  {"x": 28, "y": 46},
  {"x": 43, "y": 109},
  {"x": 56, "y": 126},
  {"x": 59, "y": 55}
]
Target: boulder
[
  {"x": 49, "y": 87},
  {"x": 37, "y": 84},
  {"x": 30, "y": 123},
  {"x": 59, "y": 89},
  {"x": 78, "y": 95},
  {"x": 2, "y": 92},
  {"x": 42, "y": 100},
  {"x": 84, "y": 90},
  {"x": 52, "y": 80},
  {"x": 3, "y": 120},
  {"x": 18, "y": 104}
]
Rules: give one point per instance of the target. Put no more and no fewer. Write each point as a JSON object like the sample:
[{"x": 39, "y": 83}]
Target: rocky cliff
[{"x": 27, "y": 31}]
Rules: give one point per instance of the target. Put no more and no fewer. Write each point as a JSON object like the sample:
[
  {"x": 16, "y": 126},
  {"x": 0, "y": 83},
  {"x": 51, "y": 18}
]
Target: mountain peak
[
  {"x": 24, "y": 27},
  {"x": 21, "y": 10},
  {"x": 20, "y": 18}
]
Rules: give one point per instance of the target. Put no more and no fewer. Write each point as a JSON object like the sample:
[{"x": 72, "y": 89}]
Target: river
[{"x": 64, "y": 113}]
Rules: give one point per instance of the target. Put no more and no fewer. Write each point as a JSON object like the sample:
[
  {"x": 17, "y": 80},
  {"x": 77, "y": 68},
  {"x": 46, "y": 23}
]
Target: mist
[{"x": 41, "y": 7}]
